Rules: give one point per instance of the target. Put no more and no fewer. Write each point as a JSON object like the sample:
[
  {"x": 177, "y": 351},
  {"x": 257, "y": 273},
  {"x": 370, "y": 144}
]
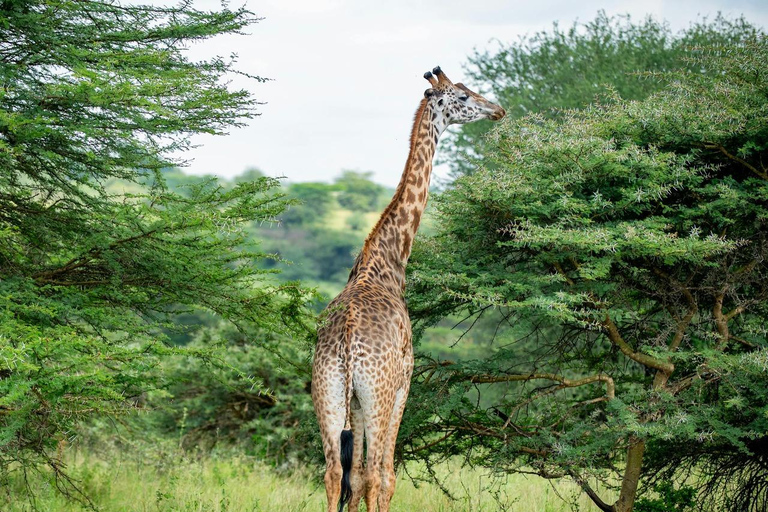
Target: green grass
[{"x": 239, "y": 484}]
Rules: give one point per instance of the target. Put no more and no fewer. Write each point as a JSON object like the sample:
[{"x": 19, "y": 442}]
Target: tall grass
[{"x": 239, "y": 484}]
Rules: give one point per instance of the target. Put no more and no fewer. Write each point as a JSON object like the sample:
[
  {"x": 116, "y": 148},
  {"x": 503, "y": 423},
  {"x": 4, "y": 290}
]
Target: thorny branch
[{"x": 713, "y": 145}]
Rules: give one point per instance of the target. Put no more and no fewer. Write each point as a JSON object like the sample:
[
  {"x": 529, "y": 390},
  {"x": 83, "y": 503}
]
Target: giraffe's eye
[{"x": 464, "y": 98}]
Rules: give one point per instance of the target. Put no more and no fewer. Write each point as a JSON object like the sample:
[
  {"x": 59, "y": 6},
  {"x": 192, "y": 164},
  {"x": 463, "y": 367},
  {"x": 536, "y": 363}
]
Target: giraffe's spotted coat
[{"x": 363, "y": 362}]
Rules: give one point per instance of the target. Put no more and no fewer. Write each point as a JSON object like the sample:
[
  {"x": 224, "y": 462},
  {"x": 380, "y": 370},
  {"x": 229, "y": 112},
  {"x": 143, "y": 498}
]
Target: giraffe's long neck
[{"x": 392, "y": 237}]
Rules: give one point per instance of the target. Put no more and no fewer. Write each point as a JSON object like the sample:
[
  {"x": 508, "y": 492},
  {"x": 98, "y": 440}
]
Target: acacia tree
[
  {"x": 567, "y": 68},
  {"x": 94, "y": 91},
  {"x": 625, "y": 247}
]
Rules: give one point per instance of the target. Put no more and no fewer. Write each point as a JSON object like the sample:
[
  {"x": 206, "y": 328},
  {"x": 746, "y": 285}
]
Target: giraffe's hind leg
[
  {"x": 388, "y": 477},
  {"x": 328, "y": 399},
  {"x": 333, "y": 473},
  {"x": 376, "y": 410},
  {"x": 357, "y": 479}
]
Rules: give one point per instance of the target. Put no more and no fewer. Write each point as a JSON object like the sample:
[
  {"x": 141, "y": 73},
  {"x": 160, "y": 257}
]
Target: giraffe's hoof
[{"x": 437, "y": 70}]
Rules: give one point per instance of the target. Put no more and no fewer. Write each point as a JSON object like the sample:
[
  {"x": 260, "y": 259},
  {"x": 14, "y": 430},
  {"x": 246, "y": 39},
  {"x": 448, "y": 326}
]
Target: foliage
[
  {"x": 725, "y": 458},
  {"x": 565, "y": 69},
  {"x": 250, "y": 174},
  {"x": 358, "y": 192},
  {"x": 626, "y": 246},
  {"x": 316, "y": 201},
  {"x": 209, "y": 406},
  {"x": 213, "y": 404},
  {"x": 92, "y": 92},
  {"x": 316, "y": 253},
  {"x": 669, "y": 500},
  {"x": 320, "y": 234}
]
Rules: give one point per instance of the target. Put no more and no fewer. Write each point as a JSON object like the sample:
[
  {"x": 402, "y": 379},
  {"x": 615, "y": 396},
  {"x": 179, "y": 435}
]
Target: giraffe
[{"x": 363, "y": 361}]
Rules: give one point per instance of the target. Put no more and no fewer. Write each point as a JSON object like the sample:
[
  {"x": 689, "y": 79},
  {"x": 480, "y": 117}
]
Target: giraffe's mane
[{"x": 400, "y": 187}]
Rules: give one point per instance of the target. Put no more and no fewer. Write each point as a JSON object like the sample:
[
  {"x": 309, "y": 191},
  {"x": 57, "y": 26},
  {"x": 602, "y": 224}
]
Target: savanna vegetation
[
  {"x": 92, "y": 280},
  {"x": 603, "y": 344},
  {"x": 619, "y": 251}
]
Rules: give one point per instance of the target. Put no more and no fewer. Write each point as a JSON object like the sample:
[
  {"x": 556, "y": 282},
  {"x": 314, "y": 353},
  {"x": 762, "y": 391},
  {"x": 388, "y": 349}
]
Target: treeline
[
  {"x": 315, "y": 238},
  {"x": 323, "y": 232}
]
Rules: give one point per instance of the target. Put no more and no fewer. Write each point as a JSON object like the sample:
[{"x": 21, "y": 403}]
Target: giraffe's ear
[{"x": 429, "y": 93}]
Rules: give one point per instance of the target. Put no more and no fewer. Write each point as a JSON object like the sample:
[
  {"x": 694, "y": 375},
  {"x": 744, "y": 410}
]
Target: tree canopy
[
  {"x": 623, "y": 252},
  {"x": 93, "y": 92},
  {"x": 558, "y": 69},
  {"x": 357, "y": 191}
]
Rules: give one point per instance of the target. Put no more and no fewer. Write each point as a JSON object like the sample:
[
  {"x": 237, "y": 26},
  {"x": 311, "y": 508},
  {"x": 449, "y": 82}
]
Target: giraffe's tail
[
  {"x": 347, "y": 448},
  {"x": 347, "y": 438}
]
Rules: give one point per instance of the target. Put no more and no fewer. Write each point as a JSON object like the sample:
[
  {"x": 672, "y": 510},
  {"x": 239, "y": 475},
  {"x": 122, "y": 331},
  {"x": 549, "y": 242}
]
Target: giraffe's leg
[
  {"x": 388, "y": 477},
  {"x": 333, "y": 474},
  {"x": 328, "y": 398},
  {"x": 377, "y": 414},
  {"x": 375, "y": 437},
  {"x": 356, "y": 477}
]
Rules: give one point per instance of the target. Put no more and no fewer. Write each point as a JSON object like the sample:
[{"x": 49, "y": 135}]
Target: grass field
[{"x": 237, "y": 484}]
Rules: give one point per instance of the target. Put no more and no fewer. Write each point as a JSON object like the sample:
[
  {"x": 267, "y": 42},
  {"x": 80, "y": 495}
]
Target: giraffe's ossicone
[{"x": 363, "y": 362}]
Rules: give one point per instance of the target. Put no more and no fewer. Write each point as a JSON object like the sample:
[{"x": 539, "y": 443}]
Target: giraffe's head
[{"x": 456, "y": 102}]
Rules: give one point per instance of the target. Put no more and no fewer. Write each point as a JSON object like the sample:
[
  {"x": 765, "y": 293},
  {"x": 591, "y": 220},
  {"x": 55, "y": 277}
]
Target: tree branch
[
  {"x": 735, "y": 311},
  {"x": 693, "y": 308},
  {"x": 744, "y": 342},
  {"x": 662, "y": 376},
  {"x": 80, "y": 261},
  {"x": 758, "y": 172},
  {"x": 561, "y": 271},
  {"x": 610, "y": 387},
  {"x": 591, "y": 493},
  {"x": 721, "y": 321},
  {"x": 432, "y": 443},
  {"x": 613, "y": 334}
]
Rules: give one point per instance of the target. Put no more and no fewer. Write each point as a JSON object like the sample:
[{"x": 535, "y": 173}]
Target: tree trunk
[{"x": 635, "y": 452}]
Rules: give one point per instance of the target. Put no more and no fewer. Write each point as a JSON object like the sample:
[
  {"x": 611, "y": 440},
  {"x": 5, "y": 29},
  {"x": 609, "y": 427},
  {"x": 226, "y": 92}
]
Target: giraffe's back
[{"x": 375, "y": 323}]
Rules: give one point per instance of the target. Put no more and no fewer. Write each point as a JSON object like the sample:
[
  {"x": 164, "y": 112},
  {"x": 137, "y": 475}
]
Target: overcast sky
[{"x": 347, "y": 74}]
